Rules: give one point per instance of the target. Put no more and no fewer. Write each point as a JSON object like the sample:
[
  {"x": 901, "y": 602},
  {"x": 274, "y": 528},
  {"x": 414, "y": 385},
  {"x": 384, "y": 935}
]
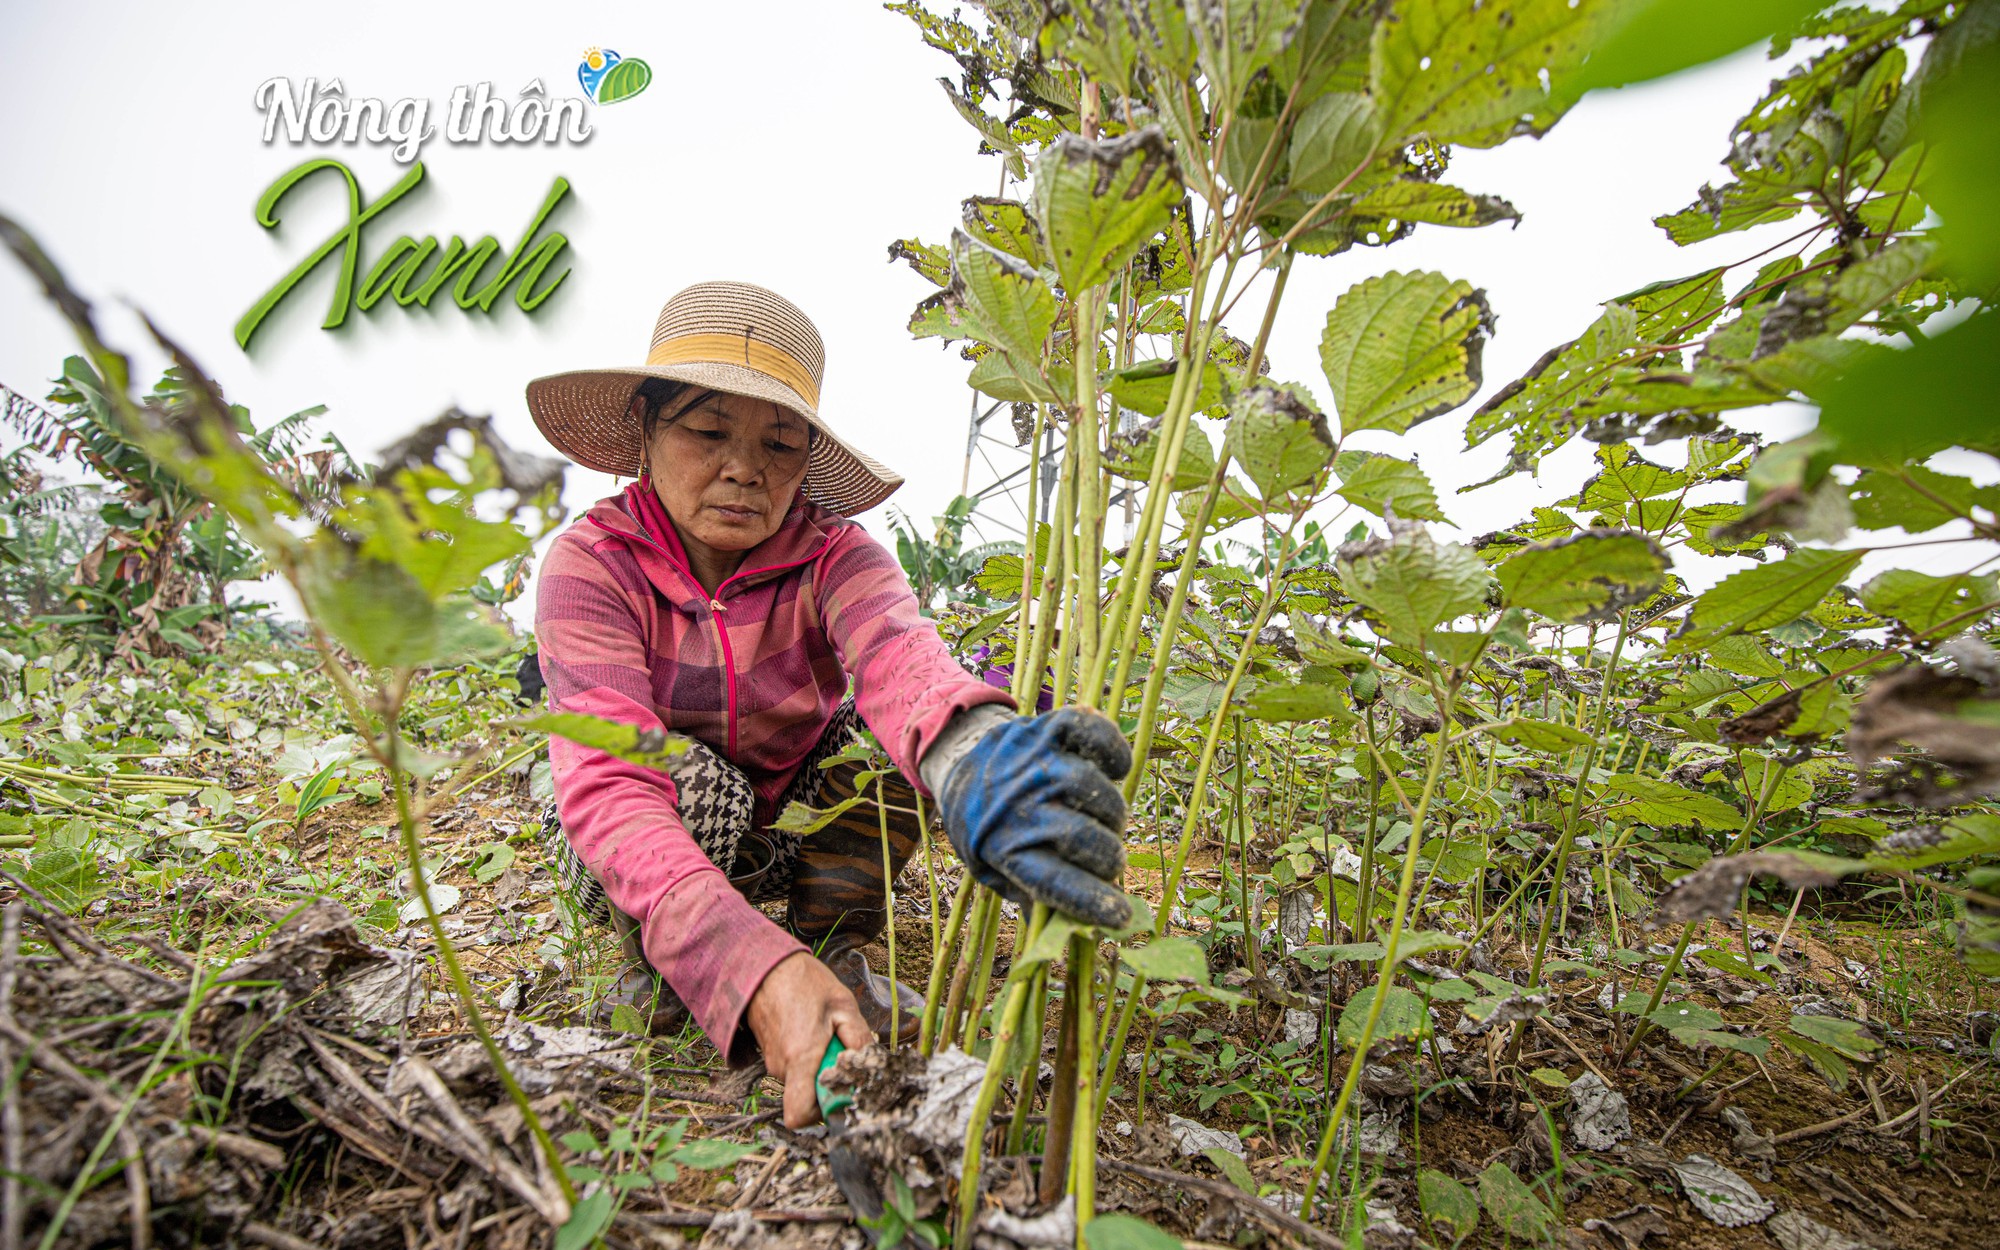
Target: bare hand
[{"x": 796, "y": 1011}]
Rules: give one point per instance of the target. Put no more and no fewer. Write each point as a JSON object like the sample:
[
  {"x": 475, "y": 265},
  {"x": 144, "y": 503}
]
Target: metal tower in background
[{"x": 997, "y": 464}]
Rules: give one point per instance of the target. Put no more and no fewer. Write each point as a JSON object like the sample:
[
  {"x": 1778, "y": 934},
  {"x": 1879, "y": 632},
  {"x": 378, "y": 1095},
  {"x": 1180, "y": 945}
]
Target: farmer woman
[{"x": 726, "y": 596}]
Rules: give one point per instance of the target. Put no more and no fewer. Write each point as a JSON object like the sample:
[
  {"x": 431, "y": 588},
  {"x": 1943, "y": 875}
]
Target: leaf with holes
[
  {"x": 1099, "y": 201},
  {"x": 1477, "y": 74},
  {"x": 1402, "y": 348},
  {"x": 1380, "y": 484},
  {"x": 1768, "y": 595},
  {"x": 1278, "y": 438},
  {"x": 1591, "y": 576}
]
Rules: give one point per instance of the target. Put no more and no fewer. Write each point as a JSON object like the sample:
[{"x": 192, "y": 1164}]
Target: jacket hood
[{"x": 800, "y": 538}]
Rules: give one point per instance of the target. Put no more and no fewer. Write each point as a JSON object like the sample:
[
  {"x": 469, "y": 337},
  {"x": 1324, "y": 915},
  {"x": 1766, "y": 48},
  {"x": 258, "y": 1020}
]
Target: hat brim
[{"x": 585, "y": 415}]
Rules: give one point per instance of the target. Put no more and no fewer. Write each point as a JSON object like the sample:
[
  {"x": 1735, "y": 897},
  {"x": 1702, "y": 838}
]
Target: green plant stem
[
  {"x": 1083, "y": 1152},
  {"x": 982, "y": 977},
  {"x": 927, "y": 1031},
  {"x": 931, "y": 881},
  {"x": 889, "y": 909},
  {"x": 1058, "y": 1138},
  {"x": 1197, "y": 795},
  {"x": 989, "y": 1088},
  {"x": 1136, "y": 576},
  {"x": 1673, "y": 964},
  {"x": 1250, "y": 951},
  {"x": 1568, "y": 836},
  {"x": 1364, "y": 885},
  {"x": 448, "y": 955},
  {"x": 499, "y": 768},
  {"x": 1086, "y": 435},
  {"x": 1027, "y": 1075},
  {"x": 1390, "y": 941}
]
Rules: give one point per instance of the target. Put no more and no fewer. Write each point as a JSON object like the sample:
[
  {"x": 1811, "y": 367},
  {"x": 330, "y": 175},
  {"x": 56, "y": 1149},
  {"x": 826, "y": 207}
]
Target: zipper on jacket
[{"x": 717, "y": 607}]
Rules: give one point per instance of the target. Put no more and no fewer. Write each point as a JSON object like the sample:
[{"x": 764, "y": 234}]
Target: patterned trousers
[{"x": 831, "y": 879}]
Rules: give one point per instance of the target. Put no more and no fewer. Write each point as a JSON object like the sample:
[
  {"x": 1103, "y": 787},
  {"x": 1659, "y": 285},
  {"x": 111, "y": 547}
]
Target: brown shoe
[
  {"x": 640, "y": 987},
  {"x": 872, "y": 990}
]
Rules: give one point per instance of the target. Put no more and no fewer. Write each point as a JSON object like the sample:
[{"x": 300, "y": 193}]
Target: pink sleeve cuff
[{"x": 715, "y": 950}]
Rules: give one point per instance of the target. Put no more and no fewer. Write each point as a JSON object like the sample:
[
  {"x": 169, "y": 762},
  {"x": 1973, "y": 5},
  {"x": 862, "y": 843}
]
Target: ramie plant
[
  {"x": 1174, "y": 155},
  {"x": 1173, "y": 158},
  {"x": 386, "y": 576}
]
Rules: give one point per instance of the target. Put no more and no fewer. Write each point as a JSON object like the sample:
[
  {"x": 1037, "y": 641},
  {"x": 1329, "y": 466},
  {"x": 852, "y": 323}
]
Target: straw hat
[{"x": 729, "y": 336}]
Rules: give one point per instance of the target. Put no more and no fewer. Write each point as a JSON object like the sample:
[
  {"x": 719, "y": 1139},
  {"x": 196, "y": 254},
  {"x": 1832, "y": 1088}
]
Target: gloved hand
[{"x": 1034, "y": 812}]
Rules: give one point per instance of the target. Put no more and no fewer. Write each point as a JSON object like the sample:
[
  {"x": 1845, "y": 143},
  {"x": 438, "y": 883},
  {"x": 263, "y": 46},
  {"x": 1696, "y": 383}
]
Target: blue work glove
[{"x": 1034, "y": 811}]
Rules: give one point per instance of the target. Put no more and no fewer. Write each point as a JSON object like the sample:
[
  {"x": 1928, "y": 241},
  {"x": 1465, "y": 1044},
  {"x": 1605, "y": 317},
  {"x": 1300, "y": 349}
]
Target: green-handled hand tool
[{"x": 849, "y": 1172}]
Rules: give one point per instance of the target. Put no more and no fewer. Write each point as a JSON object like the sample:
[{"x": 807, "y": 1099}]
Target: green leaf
[
  {"x": 1916, "y": 499},
  {"x": 587, "y": 1219},
  {"x": 1134, "y": 461},
  {"x": 1752, "y": 1045},
  {"x": 1100, "y": 201},
  {"x": 1538, "y": 735},
  {"x": 1551, "y": 1078},
  {"x": 1412, "y": 584},
  {"x": 1308, "y": 701},
  {"x": 1168, "y": 959},
  {"x": 1962, "y": 837},
  {"x": 1435, "y": 203},
  {"x": 1126, "y": 1232},
  {"x": 651, "y": 747},
  {"x": 1682, "y": 1015},
  {"x": 1052, "y": 943},
  {"x": 1907, "y": 405},
  {"x": 1725, "y": 960},
  {"x": 1404, "y": 1016},
  {"x": 1402, "y": 348},
  {"x": 625, "y": 1018},
  {"x": 998, "y": 299},
  {"x": 580, "y": 1141},
  {"x": 1445, "y": 1201},
  {"x": 383, "y": 615},
  {"x": 1146, "y": 387},
  {"x": 1231, "y": 1165},
  {"x": 1845, "y": 1036},
  {"x": 1660, "y": 37},
  {"x": 1665, "y": 804},
  {"x": 1334, "y": 135},
  {"x": 1422, "y": 943},
  {"x": 1924, "y": 602},
  {"x": 69, "y": 875},
  {"x": 1005, "y": 225},
  {"x": 1512, "y": 1204},
  {"x": 1473, "y": 74},
  {"x": 1281, "y": 441},
  {"x": 1004, "y": 375},
  {"x": 1765, "y": 596},
  {"x": 1825, "y": 1059},
  {"x": 491, "y": 860},
  {"x": 709, "y": 1153},
  {"x": 1377, "y": 483},
  {"x": 1320, "y": 957},
  {"x": 1591, "y": 576}
]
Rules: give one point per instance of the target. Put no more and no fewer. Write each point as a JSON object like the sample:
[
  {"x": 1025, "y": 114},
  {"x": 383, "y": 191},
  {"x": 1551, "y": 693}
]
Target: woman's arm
[
  {"x": 907, "y": 687},
  {"x": 704, "y": 938}
]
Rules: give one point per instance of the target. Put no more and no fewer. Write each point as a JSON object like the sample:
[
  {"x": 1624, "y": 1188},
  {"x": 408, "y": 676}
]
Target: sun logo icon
[{"x": 608, "y": 78}]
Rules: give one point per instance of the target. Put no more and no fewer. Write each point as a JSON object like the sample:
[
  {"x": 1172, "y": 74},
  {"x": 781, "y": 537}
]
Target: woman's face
[{"x": 728, "y": 469}]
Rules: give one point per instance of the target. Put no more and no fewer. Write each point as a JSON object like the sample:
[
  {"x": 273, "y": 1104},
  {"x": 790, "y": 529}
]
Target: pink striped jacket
[{"x": 756, "y": 672}]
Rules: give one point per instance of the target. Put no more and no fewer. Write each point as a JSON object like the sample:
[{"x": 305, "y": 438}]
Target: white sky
[{"x": 782, "y": 143}]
